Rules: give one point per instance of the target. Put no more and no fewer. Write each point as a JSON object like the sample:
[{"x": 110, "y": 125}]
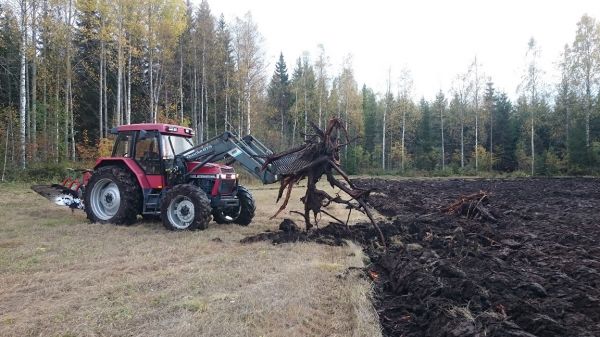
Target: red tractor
[{"x": 155, "y": 169}]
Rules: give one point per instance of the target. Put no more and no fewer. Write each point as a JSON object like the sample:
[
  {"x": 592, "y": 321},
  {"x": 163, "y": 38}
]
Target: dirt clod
[
  {"x": 533, "y": 271},
  {"x": 287, "y": 225}
]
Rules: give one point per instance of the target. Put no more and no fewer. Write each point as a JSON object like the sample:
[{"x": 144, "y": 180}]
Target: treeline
[{"x": 71, "y": 70}]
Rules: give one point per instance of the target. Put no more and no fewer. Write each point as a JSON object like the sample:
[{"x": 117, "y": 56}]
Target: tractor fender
[{"x": 130, "y": 164}]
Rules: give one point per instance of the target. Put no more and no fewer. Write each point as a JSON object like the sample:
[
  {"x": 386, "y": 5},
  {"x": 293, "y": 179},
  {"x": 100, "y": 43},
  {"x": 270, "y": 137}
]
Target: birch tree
[
  {"x": 461, "y": 89},
  {"x": 586, "y": 52},
  {"x": 249, "y": 63},
  {"x": 530, "y": 87},
  {"x": 165, "y": 22},
  {"x": 321, "y": 66},
  {"x": 565, "y": 92},
  {"x": 489, "y": 101},
  {"x": 476, "y": 85},
  {"x": 440, "y": 106},
  {"x": 22, "y": 87},
  {"x": 405, "y": 87},
  {"x": 34, "y": 109}
]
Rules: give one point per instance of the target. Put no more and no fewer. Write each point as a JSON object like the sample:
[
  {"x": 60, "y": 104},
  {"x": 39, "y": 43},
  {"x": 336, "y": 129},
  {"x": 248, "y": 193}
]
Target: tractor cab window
[
  {"x": 147, "y": 153},
  {"x": 173, "y": 145},
  {"x": 123, "y": 145}
]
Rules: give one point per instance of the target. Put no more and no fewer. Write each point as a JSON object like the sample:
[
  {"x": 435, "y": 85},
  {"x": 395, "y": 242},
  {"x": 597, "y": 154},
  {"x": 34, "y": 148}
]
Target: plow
[
  {"x": 156, "y": 170},
  {"x": 68, "y": 192}
]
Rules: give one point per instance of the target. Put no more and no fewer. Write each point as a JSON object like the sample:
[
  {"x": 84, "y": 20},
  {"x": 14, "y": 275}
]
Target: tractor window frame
[
  {"x": 169, "y": 151},
  {"x": 128, "y": 137},
  {"x": 160, "y": 167}
]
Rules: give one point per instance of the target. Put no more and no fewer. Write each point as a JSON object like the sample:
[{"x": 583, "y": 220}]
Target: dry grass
[{"x": 61, "y": 276}]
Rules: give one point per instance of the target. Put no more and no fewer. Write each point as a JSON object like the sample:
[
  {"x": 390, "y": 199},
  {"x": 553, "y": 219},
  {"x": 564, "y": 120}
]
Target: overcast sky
[{"x": 436, "y": 40}]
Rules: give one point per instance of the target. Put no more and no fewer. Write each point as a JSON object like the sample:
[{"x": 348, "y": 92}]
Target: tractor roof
[{"x": 162, "y": 128}]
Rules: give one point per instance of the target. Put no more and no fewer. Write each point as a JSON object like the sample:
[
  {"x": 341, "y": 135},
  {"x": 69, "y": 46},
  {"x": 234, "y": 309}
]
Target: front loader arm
[{"x": 248, "y": 152}]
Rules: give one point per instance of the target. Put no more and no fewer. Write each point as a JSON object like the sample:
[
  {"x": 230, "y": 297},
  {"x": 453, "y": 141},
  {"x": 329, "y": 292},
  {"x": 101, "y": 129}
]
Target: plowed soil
[{"x": 533, "y": 272}]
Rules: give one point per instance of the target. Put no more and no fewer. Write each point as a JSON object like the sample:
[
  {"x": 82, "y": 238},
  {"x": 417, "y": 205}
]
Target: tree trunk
[
  {"x": 56, "y": 119},
  {"x": 403, "y": 135},
  {"x": 195, "y": 105},
  {"x": 180, "y": 82},
  {"x": 346, "y": 118},
  {"x": 321, "y": 100},
  {"x": 248, "y": 130},
  {"x": 68, "y": 81},
  {"x": 295, "y": 117},
  {"x": 128, "y": 112},
  {"x": 45, "y": 120},
  {"x": 532, "y": 144},
  {"x": 206, "y": 108},
  {"x": 305, "y": 105},
  {"x": 476, "y": 115},
  {"x": 491, "y": 138},
  {"x": 240, "y": 116},
  {"x": 66, "y": 110},
  {"x": 567, "y": 125},
  {"x": 385, "y": 110},
  {"x": 9, "y": 126},
  {"x": 442, "y": 131},
  {"x": 215, "y": 104},
  {"x": 72, "y": 130},
  {"x": 151, "y": 71},
  {"x": 226, "y": 97},
  {"x": 23, "y": 91},
  {"x": 33, "y": 112},
  {"x": 28, "y": 108},
  {"x": 383, "y": 138},
  {"x": 588, "y": 109},
  {"x": 105, "y": 89},
  {"x": 462, "y": 136},
  {"x": 101, "y": 92},
  {"x": 120, "y": 69},
  {"x": 202, "y": 84}
]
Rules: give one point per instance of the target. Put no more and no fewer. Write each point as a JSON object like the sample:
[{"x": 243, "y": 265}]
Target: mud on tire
[
  {"x": 244, "y": 215},
  {"x": 185, "y": 207},
  {"x": 112, "y": 196}
]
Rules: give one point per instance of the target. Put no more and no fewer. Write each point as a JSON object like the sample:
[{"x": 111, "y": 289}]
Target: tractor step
[{"x": 152, "y": 204}]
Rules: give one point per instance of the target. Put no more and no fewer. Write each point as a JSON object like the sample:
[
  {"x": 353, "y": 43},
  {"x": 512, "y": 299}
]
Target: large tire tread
[
  {"x": 248, "y": 207},
  {"x": 131, "y": 194},
  {"x": 201, "y": 203}
]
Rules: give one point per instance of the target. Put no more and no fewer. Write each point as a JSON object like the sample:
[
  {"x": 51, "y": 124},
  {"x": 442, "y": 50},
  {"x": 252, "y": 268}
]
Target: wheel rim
[
  {"x": 181, "y": 212},
  {"x": 105, "y": 199}
]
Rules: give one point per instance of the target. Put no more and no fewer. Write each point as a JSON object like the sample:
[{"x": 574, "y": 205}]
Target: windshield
[{"x": 173, "y": 145}]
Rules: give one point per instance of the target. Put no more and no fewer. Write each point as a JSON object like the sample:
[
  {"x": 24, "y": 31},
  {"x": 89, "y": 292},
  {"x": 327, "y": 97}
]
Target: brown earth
[{"x": 533, "y": 272}]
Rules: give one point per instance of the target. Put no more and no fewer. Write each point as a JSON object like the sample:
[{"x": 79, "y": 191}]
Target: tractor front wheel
[
  {"x": 243, "y": 214},
  {"x": 112, "y": 196},
  {"x": 185, "y": 207}
]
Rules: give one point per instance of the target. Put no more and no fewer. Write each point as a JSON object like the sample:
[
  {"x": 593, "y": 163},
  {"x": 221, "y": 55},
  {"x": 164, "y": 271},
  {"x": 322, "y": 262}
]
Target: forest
[{"x": 72, "y": 70}]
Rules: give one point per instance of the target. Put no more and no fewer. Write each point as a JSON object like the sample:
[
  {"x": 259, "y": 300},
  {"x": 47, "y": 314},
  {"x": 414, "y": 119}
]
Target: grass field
[{"x": 62, "y": 276}]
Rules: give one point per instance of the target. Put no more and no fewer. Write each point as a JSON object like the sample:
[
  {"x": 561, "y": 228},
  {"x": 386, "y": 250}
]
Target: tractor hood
[{"x": 210, "y": 169}]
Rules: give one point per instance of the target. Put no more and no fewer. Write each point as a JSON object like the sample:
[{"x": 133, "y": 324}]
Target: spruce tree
[
  {"x": 369, "y": 107},
  {"x": 280, "y": 95}
]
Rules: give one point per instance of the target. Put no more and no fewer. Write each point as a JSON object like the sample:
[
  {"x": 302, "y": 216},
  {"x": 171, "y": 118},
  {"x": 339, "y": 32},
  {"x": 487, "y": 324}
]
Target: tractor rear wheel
[
  {"x": 112, "y": 196},
  {"x": 242, "y": 215},
  {"x": 185, "y": 207}
]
